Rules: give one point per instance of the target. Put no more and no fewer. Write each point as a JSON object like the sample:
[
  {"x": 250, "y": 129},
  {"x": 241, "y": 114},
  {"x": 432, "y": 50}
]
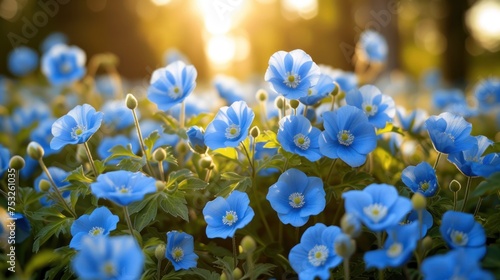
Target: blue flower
[
  {"x": 225, "y": 216},
  {"x": 296, "y": 197},
  {"x": 461, "y": 231},
  {"x": 291, "y": 74},
  {"x": 449, "y": 133},
  {"x": 398, "y": 247},
  {"x": 372, "y": 46},
  {"x": 22, "y": 61},
  {"x": 76, "y": 127},
  {"x": 432, "y": 78},
  {"x": 427, "y": 220},
  {"x": 421, "y": 178},
  {"x": 26, "y": 116},
  {"x": 379, "y": 108},
  {"x": 103, "y": 150},
  {"x": 123, "y": 187},
  {"x": 230, "y": 126},
  {"x": 4, "y": 159},
  {"x": 63, "y": 65},
  {"x": 53, "y": 39},
  {"x": 59, "y": 177},
  {"x": 315, "y": 255},
  {"x": 472, "y": 163},
  {"x": 347, "y": 81},
  {"x": 348, "y": 135},
  {"x": 196, "y": 139},
  {"x": 180, "y": 250},
  {"x": 109, "y": 258},
  {"x": 23, "y": 227},
  {"x": 117, "y": 115},
  {"x": 172, "y": 84},
  {"x": 106, "y": 86},
  {"x": 262, "y": 153},
  {"x": 378, "y": 206},
  {"x": 297, "y": 135},
  {"x": 99, "y": 223},
  {"x": 487, "y": 93},
  {"x": 319, "y": 91},
  {"x": 455, "y": 264},
  {"x": 42, "y": 134},
  {"x": 412, "y": 122},
  {"x": 445, "y": 97},
  {"x": 229, "y": 89}
]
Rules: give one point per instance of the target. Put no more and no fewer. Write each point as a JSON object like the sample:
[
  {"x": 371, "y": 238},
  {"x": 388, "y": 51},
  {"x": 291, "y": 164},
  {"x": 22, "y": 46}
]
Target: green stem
[
  {"x": 330, "y": 171},
  {"x": 380, "y": 245},
  {"x": 182, "y": 116},
  {"x": 305, "y": 110},
  {"x": 333, "y": 103},
  {"x": 234, "y": 252},
  {"x": 467, "y": 190},
  {"x": 478, "y": 206},
  {"x": 284, "y": 107},
  {"x": 158, "y": 269},
  {"x": 91, "y": 160},
  {"x": 437, "y": 160},
  {"x": 207, "y": 175},
  {"x": 347, "y": 272},
  {"x": 56, "y": 189},
  {"x": 141, "y": 141},
  {"x": 129, "y": 222},
  {"x": 162, "y": 172},
  {"x": 455, "y": 199}
]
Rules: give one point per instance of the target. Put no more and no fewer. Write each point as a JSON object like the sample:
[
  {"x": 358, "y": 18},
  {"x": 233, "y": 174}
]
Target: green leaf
[
  {"x": 121, "y": 151},
  {"x": 490, "y": 186},
  {"x": 230, "y": 153},
  {"x": 175, "y": 205},
  {"x": 192, "y": 183},
  {"x": 78, "y": 175},
  {"x": 170, "y": 155},
  {"x": 390, "y": 128},
  {"x": 39, "y": 261},
  {"x": 196, "y": 120},
  {"x": 151, "y": 140},
  {"x": 132, "y": 164},
  {"x": 53, "y": 228},
  {"x": 99, "y": 165},
  {"x": 493, "y": 148},
  {"x": 258, "y": 270},
  {"x": 65, "y": 256},
  {"x": 270, "y": 137},
  {"x": 232, "y": 176},
  {"x": 146, "y": 215}
]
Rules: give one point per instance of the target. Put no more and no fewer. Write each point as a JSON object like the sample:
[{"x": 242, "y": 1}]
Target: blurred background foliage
[{"x": 237, "y": 37}]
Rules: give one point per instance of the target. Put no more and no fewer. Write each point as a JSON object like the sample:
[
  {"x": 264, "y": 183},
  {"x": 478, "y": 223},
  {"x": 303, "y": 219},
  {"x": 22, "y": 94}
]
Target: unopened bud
[
  {"x": 160, "y": 186},
  {"x": 336, "y": 89},
  {"x": 278, "y": 102},
  {"x": 350, "y": 225},
  {"x": 159, "y": 155},
  {"x": 223, "y": 276},
  {"x": 418, "y": 201},
  {"x": 44, "y": 185},
  {"x": 248, "y": 244},
  {"x": 344, "y": 245},
  {"x": 261, "y": 95},
  {"x": 294, "y": 103},
  {"x": 131, "y": 101},
  {"x": 237, "y": 273},
  {"x": 17, "y": 162},
  {"x": 255, "y": 132},
  {"x": 455, "y": 186},
  {"x": 160, "y": 252},
  {"x": 427, "y": 243},
  {"x": 206, "y": 162},
  {"x": 182, "y": 147},
  {"x": 35, "y": 151}
]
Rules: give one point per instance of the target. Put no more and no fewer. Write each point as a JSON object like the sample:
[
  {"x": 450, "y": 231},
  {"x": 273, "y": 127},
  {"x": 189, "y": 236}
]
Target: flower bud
[
  {"x": 418, "y": 201},
  {"x": 35, "y": 151},
  {"x": 427, "y": 243},
  {"x": 248, "y": 244},
  {"x": 255, "y": 132},
  {"x": 160, "y": 186},
  {"x": 294, "y": 103},
  {"x": 350, "y": 225},
  {"x": 131, "y": 101},
  {"x": 160, "y": 252},
  {"x": 278, "y": 102},
  {"x": 17, "y": 162},
  {"x": 159, "y": 155},
  {"x": 196, "y": 139},
  {"x": 206, "y": 162},
  {"x": 223, "y": 276},
  {"x": 344, "y": 245},
  {"x": 237, "y": 273},
  {"x": 44, "y": 185},
  {"x": 182, "y": 148},
  {"x": 336, "y": 89},
  {"x": 261, "y": 95},
  {"x": 455, "y": 186}
]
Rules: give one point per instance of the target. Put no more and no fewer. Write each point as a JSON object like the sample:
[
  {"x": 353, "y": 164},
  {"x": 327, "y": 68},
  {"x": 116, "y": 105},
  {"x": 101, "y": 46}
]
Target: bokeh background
[{"x": 236, "y": 37}]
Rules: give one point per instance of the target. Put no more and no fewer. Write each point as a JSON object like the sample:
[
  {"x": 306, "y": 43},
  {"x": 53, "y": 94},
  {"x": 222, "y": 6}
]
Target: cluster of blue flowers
[{"x": 268, "y": 170}]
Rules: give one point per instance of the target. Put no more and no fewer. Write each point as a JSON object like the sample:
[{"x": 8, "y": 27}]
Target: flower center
[
  {"x": 123, "y": 189},
  {"x": 317, "y": 255},
  {"x": 370, "y": 109},
  {"x": 230, "y": 218},
  {"x": 292, "y": 80},
  {"x": 375, "y": 212},
  {"x": 77, "y": 131},
  {"x": 96, "y": 231},
  {"x": 232, "y": 131},
  {"x": 345, "y": 137},
  {"x": 395, "y": 250},
  {"x": 109, "y": 269},
  {"x": 65, "y": 67},
  {"x": 459, "y": 238},
  {"x": 301, "y": 141},
  {"x": 175, "y": 93},
  {"x": 296, "y": 200},
  {"x": 177, "y": 254},
  {"x": 424, "y": 185}
]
